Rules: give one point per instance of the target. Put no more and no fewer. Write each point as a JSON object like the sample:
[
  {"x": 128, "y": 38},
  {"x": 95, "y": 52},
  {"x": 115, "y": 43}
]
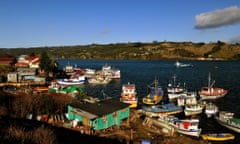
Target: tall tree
[{"x": 45, "y": 62}]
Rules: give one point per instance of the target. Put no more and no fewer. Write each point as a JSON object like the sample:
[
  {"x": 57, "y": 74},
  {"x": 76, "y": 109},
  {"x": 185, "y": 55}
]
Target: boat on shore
[
  {"x": 210, "y": 92},
  {"x": 155, "y": 95},
  {"x": 189, "y": 127},
  {"x": 218, "y": 136},
  {"x": 228, "y": 120},
  {"x": 129, "y": 95},
  {"x": 164, "y": 109}
]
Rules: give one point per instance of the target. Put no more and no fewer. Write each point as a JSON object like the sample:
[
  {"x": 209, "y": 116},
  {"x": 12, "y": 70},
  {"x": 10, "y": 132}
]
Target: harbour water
[{"x": 142, "y": 73}]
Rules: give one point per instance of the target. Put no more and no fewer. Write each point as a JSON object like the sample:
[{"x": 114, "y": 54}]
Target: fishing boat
[
  {"x": 189, "y": 98},
  {"x": 129, "y": 95},
  {"x": 182, "y": 65},
  {"x": 193, "y": 109},
  {"x": 210, "y": 92},
  {"x": 110, "y": 72},
  {"x": 71, "y": 90},
  {"x": 188, "y": 127},
  {"x": 89, "y": 73},
  {"x": 164, "y": 109},
  {"x": 155, "y": 95},
  {"x": 210, "y": 109},
  {"x": 175, "y": 90},
  {"x": 228, "y": 120},
  {"x": 99, "y": 80},
  {"x": 218, "y": 136},
  {"x": 74, "y": 80},
  {"x": 68, "y": 69}
]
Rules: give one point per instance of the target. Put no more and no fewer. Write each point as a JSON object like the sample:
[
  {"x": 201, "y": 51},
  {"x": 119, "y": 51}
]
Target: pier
[{"x": 20, "y": 84}]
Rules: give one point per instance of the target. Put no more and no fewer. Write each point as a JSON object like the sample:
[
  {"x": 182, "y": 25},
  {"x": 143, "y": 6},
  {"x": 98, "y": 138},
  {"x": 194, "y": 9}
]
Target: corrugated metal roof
[{"x": 101, "y": 108}]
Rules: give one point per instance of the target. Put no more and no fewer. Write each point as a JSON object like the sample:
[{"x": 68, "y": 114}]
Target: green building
[{"x": 100, "y": 115}]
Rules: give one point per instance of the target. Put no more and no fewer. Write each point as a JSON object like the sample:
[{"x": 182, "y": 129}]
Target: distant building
[
  {"x": 12, "y": 77},
  {"x": 26, "y": 74},
  {"x": 28, "y": 61},
  {"x": 101, "y": 115},
  {"x": 7, "y": 60}
]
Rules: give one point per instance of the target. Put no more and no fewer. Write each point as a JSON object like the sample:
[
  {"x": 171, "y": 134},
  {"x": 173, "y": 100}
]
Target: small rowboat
[{"x": 218, "y": 136}]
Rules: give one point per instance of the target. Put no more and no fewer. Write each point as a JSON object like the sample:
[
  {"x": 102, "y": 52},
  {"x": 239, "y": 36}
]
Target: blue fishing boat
[{"x": 164, "y": 109}]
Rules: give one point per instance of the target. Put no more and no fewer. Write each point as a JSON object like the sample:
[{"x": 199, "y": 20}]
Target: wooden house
[
  {"x": 101, "y": 115},
  {"x": 12, "y": 77},
  {"x": 28, "y": 61},
  {"x": 26, "y": 74}
]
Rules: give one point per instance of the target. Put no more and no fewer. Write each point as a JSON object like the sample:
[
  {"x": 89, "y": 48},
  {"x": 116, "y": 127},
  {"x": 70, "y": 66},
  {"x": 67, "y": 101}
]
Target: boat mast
[
  {"x": 174, "y": 80},
  {"x": 209, "y": 79}
]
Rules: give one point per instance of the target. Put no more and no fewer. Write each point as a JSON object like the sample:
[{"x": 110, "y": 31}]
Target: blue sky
[{"x": 34, "y": 23}]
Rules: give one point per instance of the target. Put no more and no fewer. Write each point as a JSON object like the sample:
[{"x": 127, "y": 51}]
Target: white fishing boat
[
  {"x": 210, "y": 92},
  {"x": 190, "y": 98},
  {"x": 182, "y": 65},
  {"x": 228, "y": 120},
  {"x": 189, "y": 127},
  {"x": 129, "y": 95},
  {"x": 99, "y": 80},
  {"x": 210, "y": 109},
  {"x": 68, "y": 69},
  {"x": 74, "y": 80},
  {"x": 193, "y": 109},
  {"x": 175, "y": 90},
  {"x": 110, "y": 72}
]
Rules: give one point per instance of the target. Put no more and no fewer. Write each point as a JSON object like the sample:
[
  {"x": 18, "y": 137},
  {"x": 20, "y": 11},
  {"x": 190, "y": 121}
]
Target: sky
[{"x": 40, "y": 23}]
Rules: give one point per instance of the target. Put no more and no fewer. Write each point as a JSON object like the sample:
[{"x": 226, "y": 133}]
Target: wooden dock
[{"x": 20, "y": 84}]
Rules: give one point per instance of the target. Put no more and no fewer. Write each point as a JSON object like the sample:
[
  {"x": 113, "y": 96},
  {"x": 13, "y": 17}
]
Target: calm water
[{"x": 225, "y": 73}]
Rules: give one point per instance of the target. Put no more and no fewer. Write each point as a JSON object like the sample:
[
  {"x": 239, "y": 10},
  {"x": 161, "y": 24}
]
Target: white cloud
[
  {"x": 235, "y": 39},
  {"x": 217, "y": 18}
]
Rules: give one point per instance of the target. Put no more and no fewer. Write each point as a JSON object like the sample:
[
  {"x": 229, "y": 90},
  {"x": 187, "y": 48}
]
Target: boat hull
[
  {"x": 204, "y": 97},
  {"x": 133, "y": 103},
  {"x": 218, "y": 137},
  {"x": 225, "y": 124},
  {"x": 62, "y": 82},
  {"x": 194, "y": 133}
]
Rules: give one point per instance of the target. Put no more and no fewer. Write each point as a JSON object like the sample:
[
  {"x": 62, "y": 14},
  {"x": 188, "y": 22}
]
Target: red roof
[
  {"x": 6, "y": 60},
  {"x": 21, "y": 64}
]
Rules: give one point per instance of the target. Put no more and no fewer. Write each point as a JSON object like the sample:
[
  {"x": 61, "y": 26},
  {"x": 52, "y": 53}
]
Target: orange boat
[{"x": 210, "y": 92}]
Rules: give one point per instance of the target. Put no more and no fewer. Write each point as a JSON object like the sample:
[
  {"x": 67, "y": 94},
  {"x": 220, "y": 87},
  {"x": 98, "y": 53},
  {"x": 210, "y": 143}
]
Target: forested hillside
[{"x": 138, "y": 50}]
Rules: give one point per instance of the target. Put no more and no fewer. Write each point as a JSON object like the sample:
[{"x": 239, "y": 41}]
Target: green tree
[{"x": 45, "y": 62}]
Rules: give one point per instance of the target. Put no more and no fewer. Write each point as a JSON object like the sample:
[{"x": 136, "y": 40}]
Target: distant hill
[{"x": 137, "y": 51}]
